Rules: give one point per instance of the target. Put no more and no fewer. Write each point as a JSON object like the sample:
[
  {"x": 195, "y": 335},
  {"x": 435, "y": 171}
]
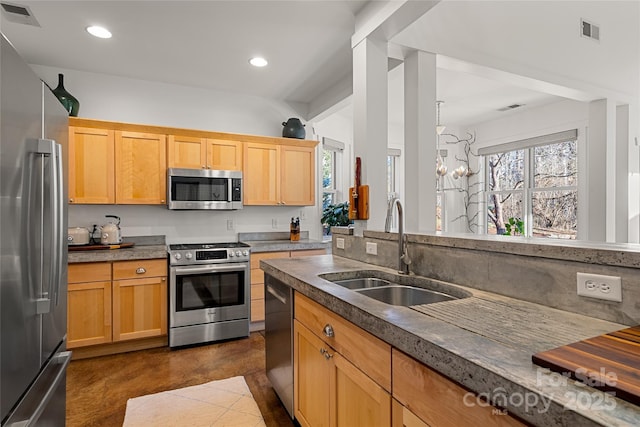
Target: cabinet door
[
  {"x": 141, "y": 168},
  {"x": 312, "y": 379},
  {"x": 297, "y": 176},
  {"x": 186, "y": 152},
  {"x": 89, "y": 313},
  {"x": 359, "y": 400},
  {"x": 257, "y": 283},
  {"x": 261, "y": 178},
  {"x": 139, "y": 308},
  {"x": 402, "y": 417},
  {"x": 224, "y": 154},
  {"x": 91, "y": 165}
]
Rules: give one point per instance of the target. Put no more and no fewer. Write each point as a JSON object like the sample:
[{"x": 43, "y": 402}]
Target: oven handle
[{"x": 183, "y": 271}]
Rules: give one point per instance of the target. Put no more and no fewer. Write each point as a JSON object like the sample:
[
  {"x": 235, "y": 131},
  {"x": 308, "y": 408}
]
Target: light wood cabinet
[
  {"x": 257, "y": 278},
  {"x": 89, "y": 304},
  {"x": 204, "y": 153},
  {"x": 279, "y": 174},
  {"x": 119, "y": 301},
  {"x": 91, "y": 171},
  {"x": 438, "y": 401},
  {"x": 342, "y": 374},
  {"x": 402, "y": 417},
  {"x": 141, "y": 168}
]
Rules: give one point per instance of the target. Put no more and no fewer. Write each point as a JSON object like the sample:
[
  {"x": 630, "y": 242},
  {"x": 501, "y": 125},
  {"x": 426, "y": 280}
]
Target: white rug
[{"x": 223, "y": 403}]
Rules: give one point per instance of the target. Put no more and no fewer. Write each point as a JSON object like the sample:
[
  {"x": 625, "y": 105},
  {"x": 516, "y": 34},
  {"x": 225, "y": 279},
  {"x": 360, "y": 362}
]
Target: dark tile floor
[{"x": 98, "y": 388}]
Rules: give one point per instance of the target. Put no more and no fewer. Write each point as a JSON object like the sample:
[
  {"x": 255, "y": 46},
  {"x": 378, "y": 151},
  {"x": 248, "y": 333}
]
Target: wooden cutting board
[
  {"x": 122, "y": 245},
  {"x": 595, "y": 360}
]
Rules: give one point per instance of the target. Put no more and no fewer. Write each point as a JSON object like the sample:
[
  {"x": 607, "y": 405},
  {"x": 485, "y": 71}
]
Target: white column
[
  {"x": 420, "y": 141},
  {"x": 370, "y": 122},
  {"x": 601, "y": 159},
  {"x": 621, "y": 170},
  {"x": 633, "y": 198}
]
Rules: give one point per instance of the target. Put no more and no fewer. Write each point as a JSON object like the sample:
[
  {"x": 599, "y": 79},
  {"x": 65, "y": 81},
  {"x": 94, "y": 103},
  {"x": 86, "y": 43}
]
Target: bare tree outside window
[{"x": 533, "y": 191}]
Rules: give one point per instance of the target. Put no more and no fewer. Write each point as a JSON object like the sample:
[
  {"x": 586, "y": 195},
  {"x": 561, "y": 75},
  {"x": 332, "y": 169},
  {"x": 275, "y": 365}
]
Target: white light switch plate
[{"x": 340, "y": 243}]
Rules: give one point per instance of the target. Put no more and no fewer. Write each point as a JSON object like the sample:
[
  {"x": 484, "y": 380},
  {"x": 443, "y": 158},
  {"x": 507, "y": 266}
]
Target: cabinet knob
[
  {"x": 140, "y": 270},
  {"x": 328, "y": 330},
  {"x": 70, "y": 200},
  {"x": 326, "y": 354},
  {"x": 204, "y": 167},
  {"x": 162, "y": 201}
]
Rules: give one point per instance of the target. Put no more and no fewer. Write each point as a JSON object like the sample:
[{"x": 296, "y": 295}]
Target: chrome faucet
[{"x": 403, "y": 254}]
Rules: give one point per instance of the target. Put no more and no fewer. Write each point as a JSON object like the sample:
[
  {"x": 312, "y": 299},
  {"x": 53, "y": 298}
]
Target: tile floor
[{"x": 98, "y": 388}]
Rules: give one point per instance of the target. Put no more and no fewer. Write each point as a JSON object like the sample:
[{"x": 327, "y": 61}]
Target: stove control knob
[
  {"x": 178, "y": 256},
  {"x": 231, "y": 254},
  {"x": 188, "y": 255},
  {"x": 238, "y": 253},
  {"x": 245, "y": 253}
]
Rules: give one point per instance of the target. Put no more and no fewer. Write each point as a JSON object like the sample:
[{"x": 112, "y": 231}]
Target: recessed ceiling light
[
  {"x": 258, "y": 62},
  {"x": 100, "y": 32}
]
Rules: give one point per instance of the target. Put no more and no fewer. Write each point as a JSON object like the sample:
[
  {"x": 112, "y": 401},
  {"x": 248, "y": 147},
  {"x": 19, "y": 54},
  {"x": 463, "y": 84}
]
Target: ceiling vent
[
  {"x": 589, "y": 30},
  {"x": 510, "y": 107},
  {"x": 19, "y": 14}
]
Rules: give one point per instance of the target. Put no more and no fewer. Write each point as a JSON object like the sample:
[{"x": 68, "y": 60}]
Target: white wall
[{"x": 105, "y": 97}]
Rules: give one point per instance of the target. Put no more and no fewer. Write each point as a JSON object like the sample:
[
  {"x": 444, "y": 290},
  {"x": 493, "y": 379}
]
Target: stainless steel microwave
[{"x": 204, "y": 189}]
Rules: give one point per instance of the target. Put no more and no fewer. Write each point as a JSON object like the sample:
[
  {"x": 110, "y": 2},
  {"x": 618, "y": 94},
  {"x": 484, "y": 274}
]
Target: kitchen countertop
[
  {"x": 484, "y": 342},
  {"x": 279, "y": 241},
  {"x": 146, "y": 247}
]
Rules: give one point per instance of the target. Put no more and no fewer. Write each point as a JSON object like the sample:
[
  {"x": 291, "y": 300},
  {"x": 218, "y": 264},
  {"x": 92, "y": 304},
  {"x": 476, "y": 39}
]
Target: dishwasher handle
[{"x": 273, "y": 291}]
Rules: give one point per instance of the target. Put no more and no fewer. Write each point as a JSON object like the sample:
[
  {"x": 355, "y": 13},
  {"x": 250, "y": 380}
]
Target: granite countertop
[
  {"x": 146, "y": 247},
  {"x": 279, "y": 241},
  {"x": 484, "y": 342}
]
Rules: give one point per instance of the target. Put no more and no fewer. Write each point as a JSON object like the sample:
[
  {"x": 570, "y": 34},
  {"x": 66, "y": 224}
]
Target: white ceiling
[{"x": 208, "y": 43}]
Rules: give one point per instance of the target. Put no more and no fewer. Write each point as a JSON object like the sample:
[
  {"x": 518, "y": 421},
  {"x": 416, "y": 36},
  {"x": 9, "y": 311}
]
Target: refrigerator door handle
[
  {"x": 49, "y": 148},
  {"x": 58, "y": 364}
]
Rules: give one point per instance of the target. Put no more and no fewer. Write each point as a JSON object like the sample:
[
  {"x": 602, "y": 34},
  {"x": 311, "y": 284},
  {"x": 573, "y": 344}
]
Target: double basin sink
[{"x": 396, "y": 289}]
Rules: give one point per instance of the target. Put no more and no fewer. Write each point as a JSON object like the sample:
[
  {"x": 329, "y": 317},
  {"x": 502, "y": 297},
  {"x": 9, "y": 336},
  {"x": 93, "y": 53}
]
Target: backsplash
[{"x": 532, "y": 270}]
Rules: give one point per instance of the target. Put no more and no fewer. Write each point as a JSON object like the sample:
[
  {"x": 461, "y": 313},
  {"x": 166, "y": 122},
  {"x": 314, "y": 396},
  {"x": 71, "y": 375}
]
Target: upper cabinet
[
  {"x": 141, "y": 168},
  {"x": 279, "y": 174},
  {"x": 204, "y": 153},
  {"x": 91, "y": 165},
  {"x": 121, "y": 163}
]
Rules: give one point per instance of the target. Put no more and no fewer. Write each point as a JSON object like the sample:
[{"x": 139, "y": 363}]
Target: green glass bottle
[{"x": 70, "y": 103}]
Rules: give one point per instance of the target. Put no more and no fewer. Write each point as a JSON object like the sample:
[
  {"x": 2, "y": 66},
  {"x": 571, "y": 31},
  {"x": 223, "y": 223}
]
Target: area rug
[{"x": 223, "y": 403}]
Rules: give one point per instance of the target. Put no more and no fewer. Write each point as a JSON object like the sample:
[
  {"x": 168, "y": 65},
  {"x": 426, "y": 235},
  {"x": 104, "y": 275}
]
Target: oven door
[{"x": 209, "y": 293}]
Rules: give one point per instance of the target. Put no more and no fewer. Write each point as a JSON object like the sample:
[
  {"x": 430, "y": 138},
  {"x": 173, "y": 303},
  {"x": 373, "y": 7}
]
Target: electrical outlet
[
  {"x": 229, "y": 224},
  {"x": 340, "y": 243},
  {"x": 601, "y": 287},
  {"x": 274, "y": 223},
  {"x": 372, "y": 248}
]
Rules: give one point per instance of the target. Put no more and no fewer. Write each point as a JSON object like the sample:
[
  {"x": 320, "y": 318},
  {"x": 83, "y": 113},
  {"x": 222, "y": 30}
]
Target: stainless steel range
[{"x": 209, "y": 292}]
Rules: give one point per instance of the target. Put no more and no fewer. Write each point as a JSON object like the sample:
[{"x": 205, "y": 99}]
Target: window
[
  {"x": 532, "y": 187},
  {"x": 393, "y": 157},
  {"x": 331, "y": 166}
]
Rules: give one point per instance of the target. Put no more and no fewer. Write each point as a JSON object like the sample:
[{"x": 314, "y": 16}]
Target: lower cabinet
[
  {"x": 257, "y": 277},
  {"x": 424, "y": 395},
  {"x": 114, "y": 302},
  {"x": 335, "y": 364}
]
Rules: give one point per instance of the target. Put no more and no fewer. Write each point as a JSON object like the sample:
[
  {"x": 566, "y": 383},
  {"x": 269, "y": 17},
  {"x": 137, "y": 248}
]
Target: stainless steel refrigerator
[{"x": 33, "y": 252}]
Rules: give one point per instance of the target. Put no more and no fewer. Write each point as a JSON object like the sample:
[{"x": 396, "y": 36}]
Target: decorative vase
[
  {"x": 293, "y": 128},
  {"x": 69, "y": 102}
]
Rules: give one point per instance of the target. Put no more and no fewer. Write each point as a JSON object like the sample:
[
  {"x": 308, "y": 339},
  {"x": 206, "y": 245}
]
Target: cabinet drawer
[
  {"x": 255, "y": 258},
  {"x": 257, "y": 310},
  {"x": 89, "y": 272},
  {"x": 368, "y": 353},
  {"x": 437, "y": 400},
  {"x": 139, "y": 268},
  {"x": 257, "y": 276},
  {"x": 257, "y": 291}
]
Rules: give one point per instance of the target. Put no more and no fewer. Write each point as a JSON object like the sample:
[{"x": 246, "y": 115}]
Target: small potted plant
[{"x": 335, "y": 215}]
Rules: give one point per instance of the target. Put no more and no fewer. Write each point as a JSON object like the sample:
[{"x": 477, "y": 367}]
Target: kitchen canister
[{"x": 293, "y": 128}]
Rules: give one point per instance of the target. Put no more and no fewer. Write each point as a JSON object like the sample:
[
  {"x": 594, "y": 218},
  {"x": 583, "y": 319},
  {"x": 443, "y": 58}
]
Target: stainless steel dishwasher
[{"x": 278, "y": 329}]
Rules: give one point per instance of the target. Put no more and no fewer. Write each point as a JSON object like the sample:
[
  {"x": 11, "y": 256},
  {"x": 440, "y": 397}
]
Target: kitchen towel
[{"x": 219, "y": 403}]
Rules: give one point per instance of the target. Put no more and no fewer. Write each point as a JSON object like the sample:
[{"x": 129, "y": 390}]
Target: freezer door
[{"x": 44, "y": 404}]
